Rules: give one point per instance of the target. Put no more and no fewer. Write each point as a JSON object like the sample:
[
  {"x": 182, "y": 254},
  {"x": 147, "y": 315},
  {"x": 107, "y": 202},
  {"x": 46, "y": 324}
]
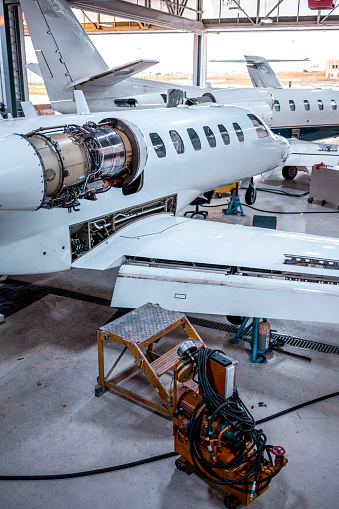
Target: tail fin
[
  {"x": 261, "y": 73},
  {"x": 64, "y": 51}
]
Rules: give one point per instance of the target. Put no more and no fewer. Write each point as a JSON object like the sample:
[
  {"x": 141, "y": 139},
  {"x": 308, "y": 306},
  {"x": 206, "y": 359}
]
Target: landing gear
[
  {"x": 289, "y": 172},
  {"x": 310, "y": 199},
  {"x": 250, "y": 195}
]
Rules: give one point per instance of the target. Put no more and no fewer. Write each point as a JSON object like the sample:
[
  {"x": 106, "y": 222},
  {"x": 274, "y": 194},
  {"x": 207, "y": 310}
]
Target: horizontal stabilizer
[
  {"x": 219, "y": 268},
  {"x": 114, "y": 75},
  {"x": 308, "y": 153}
]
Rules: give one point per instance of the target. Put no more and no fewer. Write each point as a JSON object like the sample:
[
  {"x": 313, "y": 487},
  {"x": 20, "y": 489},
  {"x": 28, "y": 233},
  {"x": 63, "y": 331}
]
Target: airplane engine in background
[{"x": 64, "y": 163}]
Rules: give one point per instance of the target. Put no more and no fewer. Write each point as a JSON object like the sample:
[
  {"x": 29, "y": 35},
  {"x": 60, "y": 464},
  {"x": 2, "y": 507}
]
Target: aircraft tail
[
  {"x": 64, "y": 51},
  {"x": 261, "y": 73}
]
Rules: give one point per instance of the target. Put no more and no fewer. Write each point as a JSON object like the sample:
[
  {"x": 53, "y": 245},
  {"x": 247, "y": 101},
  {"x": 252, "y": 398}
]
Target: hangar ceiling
[{"x": 213, "y": 15}]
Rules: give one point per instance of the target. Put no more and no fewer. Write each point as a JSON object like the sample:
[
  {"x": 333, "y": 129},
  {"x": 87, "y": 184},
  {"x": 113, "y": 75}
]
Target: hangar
[{"x": 147, "y": 225}]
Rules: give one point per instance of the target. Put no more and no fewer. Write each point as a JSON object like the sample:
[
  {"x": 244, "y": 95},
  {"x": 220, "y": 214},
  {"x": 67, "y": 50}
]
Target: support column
[
  {"x": 13, "y": 74},
  {"x": 199, "y": 53},
  {"x": 200, "y": 59}
]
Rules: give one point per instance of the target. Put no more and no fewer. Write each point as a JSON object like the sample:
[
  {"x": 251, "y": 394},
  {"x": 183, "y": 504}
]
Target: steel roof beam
[{"x": 138, "y": 13}]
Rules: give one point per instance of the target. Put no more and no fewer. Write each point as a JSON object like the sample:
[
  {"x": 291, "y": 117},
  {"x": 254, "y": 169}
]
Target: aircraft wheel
[
  {"x": 323, "y": 202},
  {"x": 289, "y": 172},
  {"x": 250, "y": 195},
  {"x": 235, "y": 320},
  {"x": 310, "y": 200}
]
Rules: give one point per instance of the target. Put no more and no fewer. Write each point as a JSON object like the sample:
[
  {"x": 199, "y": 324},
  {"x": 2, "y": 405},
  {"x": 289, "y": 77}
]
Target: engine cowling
[{"x": 60, "y": 165}]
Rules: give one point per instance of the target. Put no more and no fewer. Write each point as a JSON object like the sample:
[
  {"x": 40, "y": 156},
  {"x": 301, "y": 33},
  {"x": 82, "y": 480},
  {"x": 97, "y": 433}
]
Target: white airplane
[
  {"x": 69, "y": 61},
  {"x": 96, "y": 190}
]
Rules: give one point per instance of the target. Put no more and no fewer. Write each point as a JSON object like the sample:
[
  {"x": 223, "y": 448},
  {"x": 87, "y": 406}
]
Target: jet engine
[
  {"x": 63, "y": 164},
  {"x": 215, "y": 432}
]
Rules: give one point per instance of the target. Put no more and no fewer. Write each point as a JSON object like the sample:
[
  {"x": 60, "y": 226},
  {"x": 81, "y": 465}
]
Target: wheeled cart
[{"x": 324, "y": 184}]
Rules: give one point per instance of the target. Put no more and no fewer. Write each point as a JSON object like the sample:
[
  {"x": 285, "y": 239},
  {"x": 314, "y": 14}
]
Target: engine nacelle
[{"x": 63, "y": 164}]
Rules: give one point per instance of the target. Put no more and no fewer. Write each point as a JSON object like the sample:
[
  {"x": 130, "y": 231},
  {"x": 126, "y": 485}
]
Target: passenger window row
[
  {"x": 160, "y": 149},
  {"x": 307, "y": 106}
]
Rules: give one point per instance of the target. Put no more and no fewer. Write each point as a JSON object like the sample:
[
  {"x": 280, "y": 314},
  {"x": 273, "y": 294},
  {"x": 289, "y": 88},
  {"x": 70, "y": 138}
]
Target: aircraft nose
[{"x": 22, "y": 183}]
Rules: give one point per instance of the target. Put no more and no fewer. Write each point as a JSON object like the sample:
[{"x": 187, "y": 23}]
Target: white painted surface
[{"x": 22, "y": 183}]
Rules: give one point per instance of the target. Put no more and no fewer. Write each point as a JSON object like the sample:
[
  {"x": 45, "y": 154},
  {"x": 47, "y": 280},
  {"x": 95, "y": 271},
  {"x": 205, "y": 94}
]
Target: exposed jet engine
[{"x": 69, "y": 162}]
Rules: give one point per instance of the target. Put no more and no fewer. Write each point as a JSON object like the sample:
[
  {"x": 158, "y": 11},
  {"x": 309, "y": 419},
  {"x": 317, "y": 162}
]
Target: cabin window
[
  {"x": 259, "y": 126},
  {"x": 307, "y": 105},
  {"x": 238, "y": 132},
  {"x": 292, "y": 105},
  {"x": 158, "y": 145},
  {"x": 126, "y": 103},
  {"x": 334, "y": 104},
  {"x": 224, "y": 134},
  {"x": 276, "y": 105},
  {"x": 177, "y": 142},
  {"x": 210, "y": 136},
  {"x": 194, "y": 138},
  {"x": 320, "y": 104}
]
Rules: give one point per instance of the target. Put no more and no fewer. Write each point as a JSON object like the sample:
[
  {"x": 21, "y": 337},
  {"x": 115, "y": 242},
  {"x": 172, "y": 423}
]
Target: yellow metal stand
[{"x": 138, "y": 330}]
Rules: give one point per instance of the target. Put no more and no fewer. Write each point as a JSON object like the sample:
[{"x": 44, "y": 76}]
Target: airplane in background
[{"x": 101, "y": 190}]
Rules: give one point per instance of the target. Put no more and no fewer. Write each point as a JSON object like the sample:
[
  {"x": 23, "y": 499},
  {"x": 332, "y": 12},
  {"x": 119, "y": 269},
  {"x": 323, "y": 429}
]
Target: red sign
[{"x": 321, "y": 4}]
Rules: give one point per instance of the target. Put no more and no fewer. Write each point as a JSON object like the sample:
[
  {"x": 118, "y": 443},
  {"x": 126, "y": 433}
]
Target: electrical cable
[
  {"x": 88, "y": 472},
  {"x": 145, "y": 460},
  {"x": 289, "y": 212},
  {"x": 276, "y": 211},
  {"x": 302, "y": 405}
]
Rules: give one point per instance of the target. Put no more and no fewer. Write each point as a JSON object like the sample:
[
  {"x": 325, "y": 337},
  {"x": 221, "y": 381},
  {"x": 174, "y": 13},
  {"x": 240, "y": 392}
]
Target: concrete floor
[{"x": 52, "y": 423}]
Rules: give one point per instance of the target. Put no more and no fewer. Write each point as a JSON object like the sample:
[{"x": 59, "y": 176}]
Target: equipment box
[
  {"x": 324, "y": 184},
  {"x": 321, "y": 4}
]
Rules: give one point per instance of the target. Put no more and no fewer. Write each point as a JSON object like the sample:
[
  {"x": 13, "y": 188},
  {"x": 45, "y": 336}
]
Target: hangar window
[
  {"x": 307, "y": 105},
  {"x": 334, "y": 104},
  {"x": 224, "y": 134},
  {"x": 158, "y": 145},
  {"x": 238, "y": 132},
  {"x": 210, "y": 136},
  {"x": 320, "y": 104},
  {"x": 292, "y": 105},
  {"x": 177, "y": 142},
  {"x": 276, "y": 105},
  {"x": 259, "y": 126},
  {"x": 194, "y": 138}
]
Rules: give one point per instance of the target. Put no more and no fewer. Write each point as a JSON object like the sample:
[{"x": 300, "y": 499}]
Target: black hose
[
  {"x": 86, "y": 473},
  {"x": 145, "y": 460},
  {"x": 288, "y": 212},
  {"x": 302, "y": 405}
]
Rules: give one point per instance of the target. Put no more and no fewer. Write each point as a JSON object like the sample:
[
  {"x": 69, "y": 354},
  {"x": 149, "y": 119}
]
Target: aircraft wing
[
  {"x": 218, "y": 268},
  {"x": 308, "y": 153},
  {"x": 114, "y": 75}
]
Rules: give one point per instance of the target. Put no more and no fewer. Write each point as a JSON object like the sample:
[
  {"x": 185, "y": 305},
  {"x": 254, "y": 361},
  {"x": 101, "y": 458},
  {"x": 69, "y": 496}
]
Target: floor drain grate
[{"x": 289, "y": 340}]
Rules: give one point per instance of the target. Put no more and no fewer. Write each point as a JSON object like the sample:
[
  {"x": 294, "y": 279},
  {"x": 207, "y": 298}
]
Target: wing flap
[
  {"x": 308, "y": 153},
  {"x": 219, "y": 268},
  {"x": 210, "y": 293}
]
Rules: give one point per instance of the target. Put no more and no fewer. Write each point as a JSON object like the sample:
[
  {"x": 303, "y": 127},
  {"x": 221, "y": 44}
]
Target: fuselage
[
  {"x": 186, "y": 151},
  {"x": 307, "y": 114}
]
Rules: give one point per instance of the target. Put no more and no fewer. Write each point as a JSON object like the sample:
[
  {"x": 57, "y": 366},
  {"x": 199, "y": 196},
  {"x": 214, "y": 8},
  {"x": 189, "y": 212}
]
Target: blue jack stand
[
  {"x": 233, "y": 207},
  {"x": 243, "y": 333}
]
